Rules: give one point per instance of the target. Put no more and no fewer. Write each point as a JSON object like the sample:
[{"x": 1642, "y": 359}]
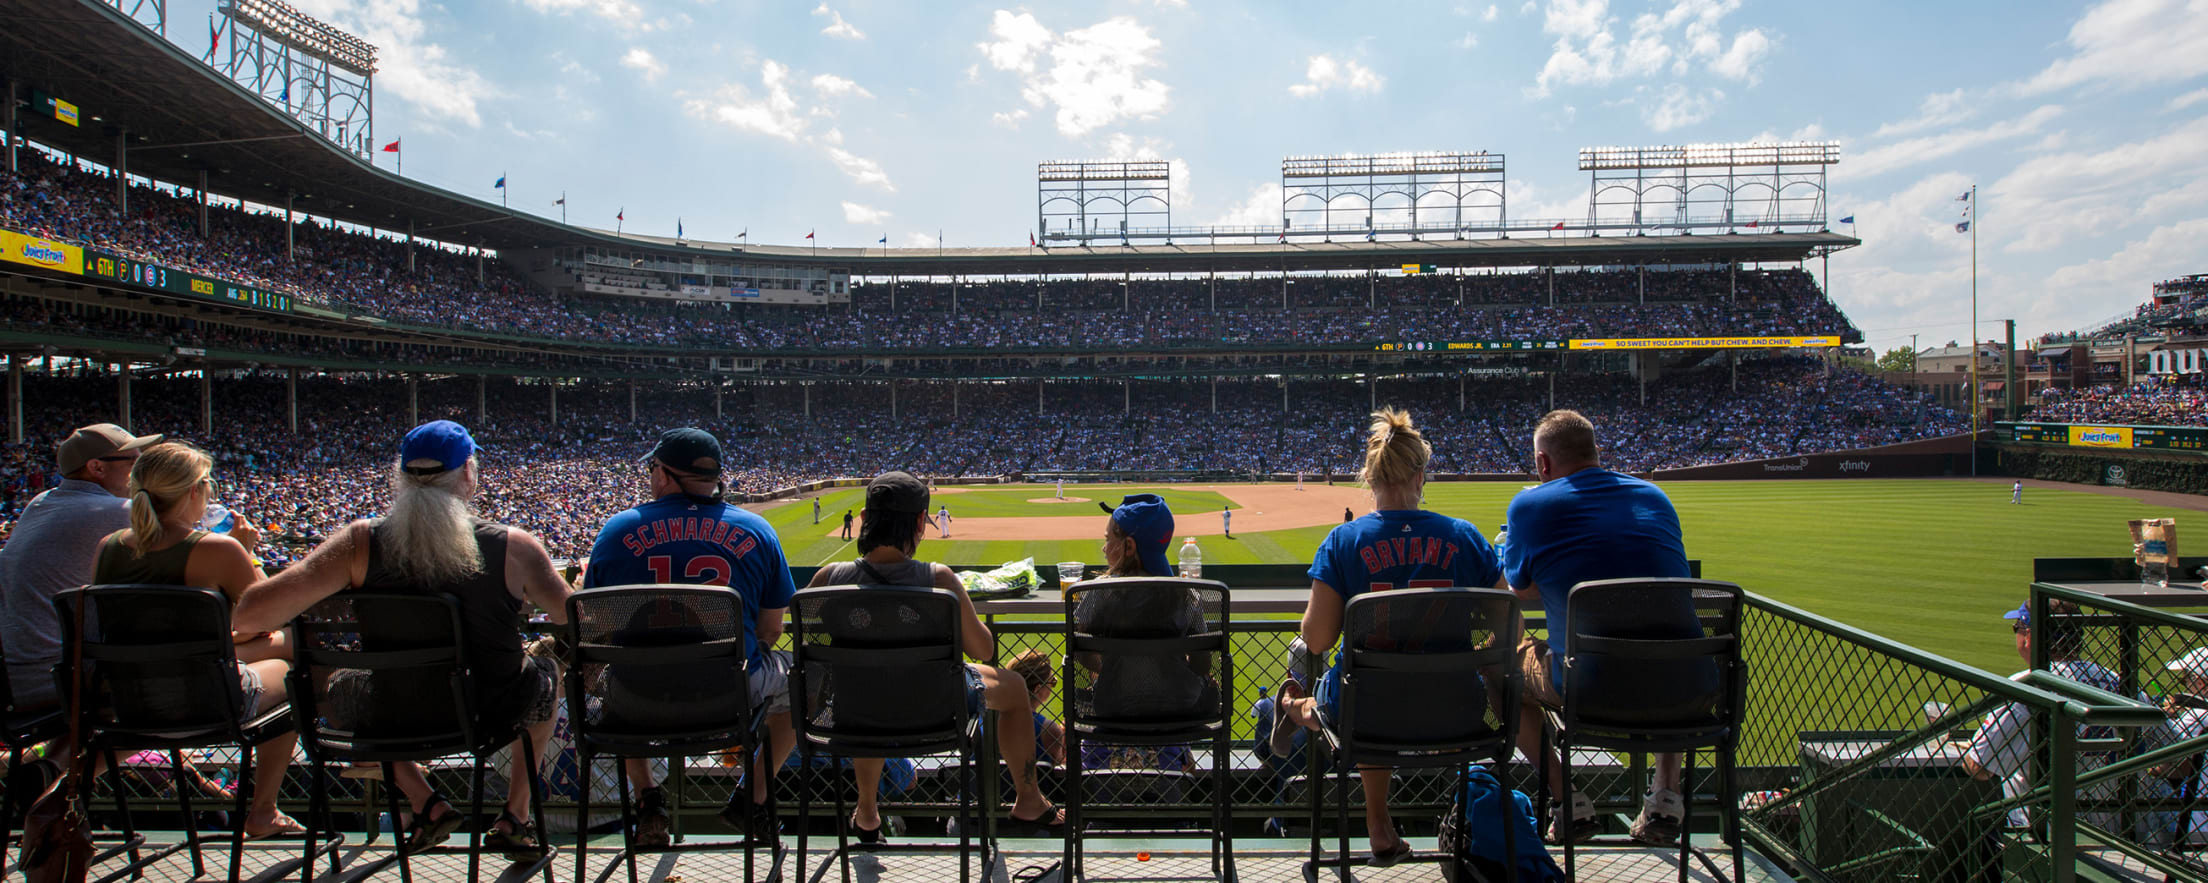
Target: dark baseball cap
[
  {"x": 896, "y": 492},
  {"x": 90, "y": 443},
  {"x": 688, "y": 450},
  {"x": 436, "y": 446},
  {"x": 1149, "y": 522}
]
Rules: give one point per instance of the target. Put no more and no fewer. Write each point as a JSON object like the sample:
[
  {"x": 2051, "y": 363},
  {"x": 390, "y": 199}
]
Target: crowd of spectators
[
  {"x": 358, "y": 274},
  {"x": 562, "y": 478},
  {"x": 2175, "y": 400}
]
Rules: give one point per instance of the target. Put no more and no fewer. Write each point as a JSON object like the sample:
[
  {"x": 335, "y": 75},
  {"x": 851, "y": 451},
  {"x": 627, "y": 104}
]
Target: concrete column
[
  {"x": 291, "y": 399},
  {"x": 717, "y": 400},
  {"x": 1642, "y": 287},
  {"x": 15, "y": 380},
  {"x": 203, "y": 204},
  {"x": 808, "y": 388},
  {"x": 954, "y": 400},
  {"x": 482, "y": 398},
  {"x": 1460, "y": 393},
  {"x": 1126, "y": 398},
  {"x": 410, "y": 245},
  {"x": 7, "y": 119},
  {"x": 1732, "y": 281},
  {"x": 893, "y": 386},
  {"x": 1552, "y": 286},
  {"x": 1284, "y": 395},
  {"x": 632, "y": 401},
  {"x": 555, "y": 387},
  {"x": 1733, "y": 357},
  {"x": 1372, "y": 289},
  {"x": 206, "y": 401},
  {"x": 479, "y": 265},
  {"x": 1038, "y": 398},
  {"x": 122, "y": 393},
  {"x": 289, "y": 234},
  {"x": 1372, "y": 393},
  {"x": 122, "y": 174},
  {"x": 413, "y": 400},
  {"x": 1215, "y": 303},
  {"x": 1215, "y": 395},
  {"x": 1559, "y": 367},
  {"x": 1640, "y": 372}
]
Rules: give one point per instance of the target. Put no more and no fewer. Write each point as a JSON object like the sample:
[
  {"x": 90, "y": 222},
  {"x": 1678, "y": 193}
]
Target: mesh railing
[{"x": 2143, "y": 804}]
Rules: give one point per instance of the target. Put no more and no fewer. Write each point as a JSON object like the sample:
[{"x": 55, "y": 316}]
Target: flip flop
[
  {"x": 286, "y": 826},
  {"x": 868, "y": 836},
  {"x": 1390, "y": 858},
  {"x": 1037, "y": 824},
  {"x": 1283, "y": 738}
]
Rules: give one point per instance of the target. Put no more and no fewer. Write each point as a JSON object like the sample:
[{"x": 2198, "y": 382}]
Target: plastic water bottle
[
  {"x": 1192, "y": 559},
  {"x": 1502, "y": 537},
  {"x": 219, "y": 519}
]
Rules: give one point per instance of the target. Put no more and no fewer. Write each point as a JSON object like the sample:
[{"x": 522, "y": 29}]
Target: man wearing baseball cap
[
  {"x": 53, "y": 547},
  {"x": 688, "y": 534},
  {"x": 2003, "y": 744}
]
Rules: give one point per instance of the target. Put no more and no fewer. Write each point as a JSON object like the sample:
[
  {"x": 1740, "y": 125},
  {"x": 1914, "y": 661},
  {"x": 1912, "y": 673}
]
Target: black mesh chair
[
  {"x": 381, "y": 678},
  {"x": 666, "y": 666},
  {"x": 160, "y": 673},
  {"x": 1147, "y": 664},
  {"x": 20, "y": 729},
  {"x": 880, "y": 673},
  {"x": 1414, "y": 694},
  {"x": 1652, "y": 689}
]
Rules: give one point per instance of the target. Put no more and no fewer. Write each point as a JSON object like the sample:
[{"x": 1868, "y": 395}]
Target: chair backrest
[
  {"x": 665, "y": 662},
  {"x": 381, "y": 676},
  {"x": 880, "y": 666},
  {"x": 1653, "y": 656},
  {"x": 1146, "y": 653},
  {"x": 1412, "y": 663},
  {"x": 157, "y": 659}
]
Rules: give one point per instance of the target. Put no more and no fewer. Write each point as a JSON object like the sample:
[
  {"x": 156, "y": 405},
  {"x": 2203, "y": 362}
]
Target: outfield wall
[{"x": 1929, "y": 458}]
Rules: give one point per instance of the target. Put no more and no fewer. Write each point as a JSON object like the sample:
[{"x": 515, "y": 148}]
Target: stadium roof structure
[{"x": 173, "y": 117}]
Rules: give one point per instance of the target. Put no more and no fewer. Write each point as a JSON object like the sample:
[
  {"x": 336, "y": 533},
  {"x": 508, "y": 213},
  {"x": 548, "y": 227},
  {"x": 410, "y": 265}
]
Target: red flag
[
  {"x": 1751, "y": 225},
  {"x": 392, "y": 147},
  {"x": 808, "y": 235},
  {"x": 214, "y": 39},
  {"x": 621, "y": 215},
  {"x": 1030, "y": 240},
  {"x": 1559, "y": 226}
]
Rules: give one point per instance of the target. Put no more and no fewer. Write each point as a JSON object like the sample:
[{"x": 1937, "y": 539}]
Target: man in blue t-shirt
[
  {"x": 688, "y": 535},
  {"x": 1586, "y": 523}
]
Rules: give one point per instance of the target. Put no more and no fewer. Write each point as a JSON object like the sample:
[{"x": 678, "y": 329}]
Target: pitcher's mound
[{"x": 1056, "y": 500}]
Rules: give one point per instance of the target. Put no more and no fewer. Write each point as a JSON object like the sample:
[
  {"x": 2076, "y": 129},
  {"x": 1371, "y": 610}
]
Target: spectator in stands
[
  {"x": 1350, "y": 563},
  {"x": 2002, "y": 747},
  {"x": 890, "y": 526},
  {"x": 170, "y": 485},
  {"x": 53, "y": 547},
  {"x": 661, "y": 542},
  {"x": 1586, "y": 523},
  {"x": 431, "y": 540},
  {"x": 1135, "y": 539},
  {"x": 1033, "y": 667}
]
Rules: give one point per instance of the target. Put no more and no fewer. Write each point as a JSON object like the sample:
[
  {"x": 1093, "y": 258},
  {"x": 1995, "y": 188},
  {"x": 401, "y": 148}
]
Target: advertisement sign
[
  {"x": 2100, "y": 436},
  {"x": 1701, "y": 343},
  {"x": 17, "y": 248},
  {"x": 2138, "y": 438},
  {"x": 1467, "y": 346}
]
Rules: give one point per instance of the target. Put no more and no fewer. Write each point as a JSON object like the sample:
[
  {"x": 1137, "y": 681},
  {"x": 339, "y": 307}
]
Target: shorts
[
  {"x": 250, "y": 689},
  {"x": 976, "y": 694},
  {"x": 1536, "y": 668},
  {"x": 770, "y": 682},
  {"x": 537, "y": 689}
]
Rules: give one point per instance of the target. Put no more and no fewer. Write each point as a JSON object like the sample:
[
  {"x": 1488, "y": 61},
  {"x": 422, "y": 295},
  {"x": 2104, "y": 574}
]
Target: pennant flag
[
  {"x": 678, "y": 228},
  {"x": 285, "y": 96},
  {"x": 1031, "y": 239},
  {"x": 1963, "y": 198},
  {"x": 1283, "y": 236},
  {"x": 1963, "y": 227},
  {"x": 1559, "y": 226},
  {"x": 214, "y": 38},
  {"x": 501, "y": 185},
  {"x": 885, "y": 239},
  {"x": 560, "y": 201},
  {"x": 1848, "y": 220},
  {"x": 392, "y": 147},
  {"x": 746, "y": 235},
  {"x": 808, "y": 235},
  {"x": 1751, "y": 225},
  {"x": 621, "y": 215}
]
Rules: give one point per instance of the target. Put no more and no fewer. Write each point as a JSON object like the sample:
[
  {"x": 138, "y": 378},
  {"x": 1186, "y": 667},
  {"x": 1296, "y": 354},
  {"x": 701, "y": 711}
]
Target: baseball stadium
[{"x": 1784, "y": 662}]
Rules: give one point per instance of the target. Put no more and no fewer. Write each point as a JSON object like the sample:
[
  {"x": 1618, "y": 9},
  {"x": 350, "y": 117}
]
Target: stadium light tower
[
  {"x": 319, "y": 75},
  {"x": 1416, "y": 193},
  {"x": 1132, "y": 192},
  {"x": 154, "y": 14},
  {"x": 1756, "y": 187}
]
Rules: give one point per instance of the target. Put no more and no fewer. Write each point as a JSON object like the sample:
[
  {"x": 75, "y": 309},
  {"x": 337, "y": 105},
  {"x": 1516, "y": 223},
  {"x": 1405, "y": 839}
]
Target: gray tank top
[{"x": 866, "y": 573}]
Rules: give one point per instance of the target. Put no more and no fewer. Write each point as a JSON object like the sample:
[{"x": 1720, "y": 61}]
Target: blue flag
[
  {"x": 1963, "y": 227},
  {"x": 884, "y": 240},
  {"x": 501, "y": 185},
  {"x": 678, "y": 228},
  {"x": 1848, "y": 220}
]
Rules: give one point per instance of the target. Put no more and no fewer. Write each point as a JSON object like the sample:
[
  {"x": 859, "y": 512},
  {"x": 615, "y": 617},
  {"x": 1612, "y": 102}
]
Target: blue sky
[{"x": 2082, "y": 124}]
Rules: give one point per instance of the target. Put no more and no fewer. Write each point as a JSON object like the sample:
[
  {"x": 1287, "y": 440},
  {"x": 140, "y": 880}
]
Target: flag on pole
[
  {"x": 392, "y": 147},
  {"x": 621, "y": 215},
  {"x": 1963, "y": 198},
  {"x": 746, "y": 235},
  {"x": 560, "y": 201},
  {"x": 214, "y": 38},
  {"x": 1559, "y": 226},
  {"x": 1751, "y": 225},
  {"x": 1031, "y": 239},
  {"x": 501, "y": 185},
  {"x": 885, "y": 239},
  {"x": 1963, "y": 227},
  {"x": 678, "y": 228},
  {"x": 809, "y": 235},
  {"x": 1848, "y": 220},
  {"x": 285, "y": 96}
]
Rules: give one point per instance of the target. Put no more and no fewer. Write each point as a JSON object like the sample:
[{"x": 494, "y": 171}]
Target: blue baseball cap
[
  {"x": 1146, "y": 519},
  {"x": 2022, "y": 614},
  {"x": 436, "y": 446}
]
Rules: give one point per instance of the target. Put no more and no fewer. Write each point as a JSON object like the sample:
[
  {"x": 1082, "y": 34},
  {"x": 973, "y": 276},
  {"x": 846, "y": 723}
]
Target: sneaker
[
  {"x": 652, "y": 821},
  {"x": 1660, "y": 821},
  {"x": 1583, "y": 826}
]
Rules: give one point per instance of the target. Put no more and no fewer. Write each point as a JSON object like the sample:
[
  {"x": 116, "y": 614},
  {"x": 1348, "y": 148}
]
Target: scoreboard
[{"x": 2079, "y": 435}]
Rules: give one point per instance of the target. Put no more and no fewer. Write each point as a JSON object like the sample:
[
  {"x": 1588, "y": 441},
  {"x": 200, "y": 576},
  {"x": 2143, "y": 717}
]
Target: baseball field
[{"x": 1929, "y": 562}]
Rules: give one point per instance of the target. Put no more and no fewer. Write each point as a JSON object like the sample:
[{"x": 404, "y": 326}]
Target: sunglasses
[{"x": 119, "y": 458}]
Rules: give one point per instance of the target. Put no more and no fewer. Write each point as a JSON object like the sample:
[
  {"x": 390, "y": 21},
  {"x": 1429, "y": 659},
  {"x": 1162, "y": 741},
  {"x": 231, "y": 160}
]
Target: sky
[{"x": 2082, "y": 125}]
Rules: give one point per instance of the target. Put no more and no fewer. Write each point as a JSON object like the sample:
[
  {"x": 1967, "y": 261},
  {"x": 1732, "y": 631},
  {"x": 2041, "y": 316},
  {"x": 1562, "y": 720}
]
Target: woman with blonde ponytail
[
  {"x": 170, "y": 487},
  {"x": 1398, "y": 545}
]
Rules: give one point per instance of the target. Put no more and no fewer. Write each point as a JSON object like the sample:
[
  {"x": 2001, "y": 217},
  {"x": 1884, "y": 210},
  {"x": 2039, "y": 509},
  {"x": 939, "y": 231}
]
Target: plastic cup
[{"x": 1069, "y": 572}]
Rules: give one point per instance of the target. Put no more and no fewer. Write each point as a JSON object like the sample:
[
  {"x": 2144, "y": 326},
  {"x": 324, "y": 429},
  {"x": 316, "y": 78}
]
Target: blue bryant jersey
[
  {"x": 673, "y": 540},
  {"x": 1405, "y": 549}
]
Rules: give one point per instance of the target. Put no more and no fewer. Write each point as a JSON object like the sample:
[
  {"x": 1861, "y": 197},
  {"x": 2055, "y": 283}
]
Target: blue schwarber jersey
[{"x": 673, "y": 540}]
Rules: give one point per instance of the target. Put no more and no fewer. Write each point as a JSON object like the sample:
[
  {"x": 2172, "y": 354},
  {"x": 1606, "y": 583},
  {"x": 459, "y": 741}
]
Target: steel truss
[
  {"x": 1138, "y": 193},
  {"x": 1685, "y": 188},
  {"x": 1419, "y": 194},
  {"x": 319, "y": 75},
  {"x": 154, "y": 14}
]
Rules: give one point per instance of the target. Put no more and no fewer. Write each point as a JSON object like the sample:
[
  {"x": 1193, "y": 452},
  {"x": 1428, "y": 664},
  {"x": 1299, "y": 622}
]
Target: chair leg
[
  {"x": 1686, "y": 811},
  {"x": 1564, "y": 831},
  {"x": 536, "y": 808},
  {"x": 1222, "y": 812},
  {"x": 843, "y": 828},
  {"x": 1729, "y": 774},
  {"x": 244, "y": 802},
  {"x": 398, "y": 831},
  {"x": 191, "y": 819},
  {"x": 969, "y": 770},
  {"x": 628, "y": 816},
  {"x": 122, "y": 807},
  {"x": 475, "y": 811},
  {"x": 1341, "y": 817},
  {"x": 804, "y": 803},
  {"x": 583, "y": 761},
  {"x": 1312, "y": 779},
  {"x": 1070, "y": 850},
  {"x": 1507, "y": 808}
]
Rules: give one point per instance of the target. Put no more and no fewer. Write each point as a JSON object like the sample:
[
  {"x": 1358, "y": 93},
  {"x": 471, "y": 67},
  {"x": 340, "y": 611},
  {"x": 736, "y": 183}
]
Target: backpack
[{"x": 1472, "y": 835}]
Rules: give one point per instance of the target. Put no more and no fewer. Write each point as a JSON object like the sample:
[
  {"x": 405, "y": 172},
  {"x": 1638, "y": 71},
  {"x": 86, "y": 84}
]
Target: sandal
[
  {"x": 427, "y": 833},
  {"x": 868, "y": 836},
  {"x": 286, "y": 826},
  {"x": 1037, "y": 825},
  {"x": 518, "y": 845},
  {"x": 1390, "y": 858}
]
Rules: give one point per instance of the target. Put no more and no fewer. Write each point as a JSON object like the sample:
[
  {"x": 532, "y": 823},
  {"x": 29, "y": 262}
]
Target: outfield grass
[{"x": 1929, "y": 563}]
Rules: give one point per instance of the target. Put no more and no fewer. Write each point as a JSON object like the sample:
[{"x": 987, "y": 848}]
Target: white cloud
[
  {"x": 642, "y": 61},
  {"x": 2055, "y": 198},
  {"x": 1260, "y": 209},
  {"x": 1468, "y": 41},
  {"x": 1009, "y": 120},
  {"x": 1490, "y": 13},
  {"x": 835, "y": 86},
  {"x": 854, "y": 213},
  {"x": 1902, "y": 154},
  {"x": 2188, "y": 99},
  {"x": 775, "y": 113},
  {"x": 920, "y": 240},
  {"x": 409, "y": 68},
  {"x": 1589, "y": 52},
  {"x": 1677, "y": 107},
  {"x": 1125, "y": 147},
  {"x": 1937, "y": 109},
  {"x": 1094, "y": 76},
  {"x": 837, "y": 27},
  {"x": 2131, "y": 43},
  {"x": 1323, "y": 72},
  {"x": 863, "y": 171},
  {"x": 621, "y": 12}
]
